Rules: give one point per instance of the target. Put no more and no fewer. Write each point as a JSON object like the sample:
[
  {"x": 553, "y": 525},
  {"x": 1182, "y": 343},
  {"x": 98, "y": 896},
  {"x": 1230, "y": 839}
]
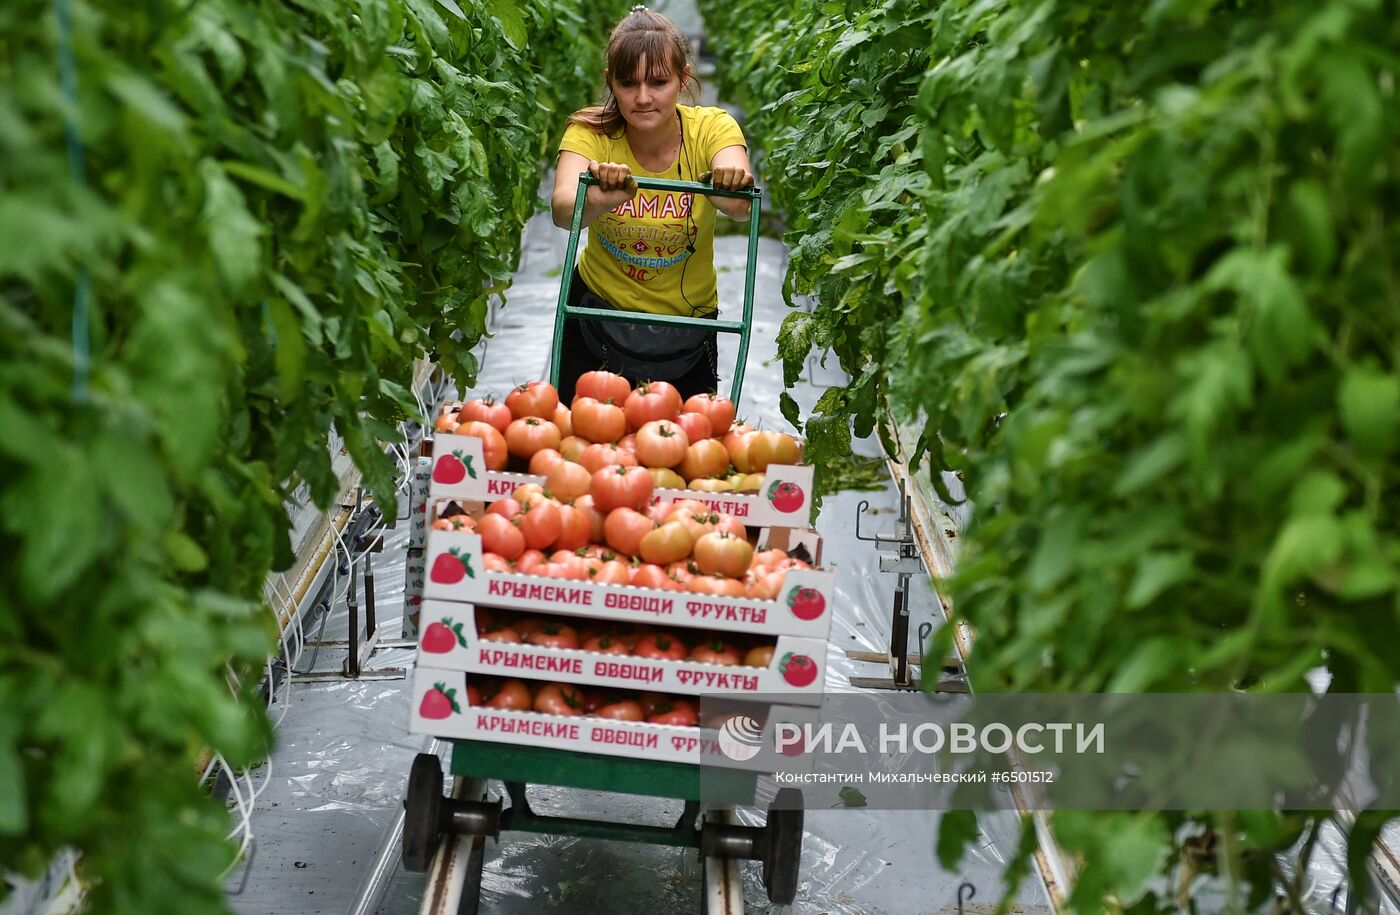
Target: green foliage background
[
  {"x": 274, "y": 209},
  {"x": 1133, "y": 268}
]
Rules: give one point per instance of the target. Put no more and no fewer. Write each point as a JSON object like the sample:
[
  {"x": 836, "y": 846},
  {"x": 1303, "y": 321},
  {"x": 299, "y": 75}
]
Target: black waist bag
[{"x": 646, "y": 352}]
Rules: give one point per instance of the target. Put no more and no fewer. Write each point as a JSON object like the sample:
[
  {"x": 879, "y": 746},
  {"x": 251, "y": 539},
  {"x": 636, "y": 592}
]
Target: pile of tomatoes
[
  {"x": 693, "y": 444},
  {"x": 621, "y": 639},
  {"x": 572, "y": 701}
]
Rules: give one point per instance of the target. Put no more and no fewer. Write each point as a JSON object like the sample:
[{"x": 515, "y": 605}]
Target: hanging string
[{"x": 77, "y": 170}]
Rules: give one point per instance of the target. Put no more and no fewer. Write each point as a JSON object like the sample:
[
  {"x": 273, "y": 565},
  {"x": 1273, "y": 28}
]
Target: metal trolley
[{"x": 446, "y": 833}]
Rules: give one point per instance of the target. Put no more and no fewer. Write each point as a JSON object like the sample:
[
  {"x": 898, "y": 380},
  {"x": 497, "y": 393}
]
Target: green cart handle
[{"x": 741, "y": 327}]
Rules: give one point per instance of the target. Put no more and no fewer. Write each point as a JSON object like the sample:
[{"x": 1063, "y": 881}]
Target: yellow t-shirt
[{"x": 636, "y": 255}]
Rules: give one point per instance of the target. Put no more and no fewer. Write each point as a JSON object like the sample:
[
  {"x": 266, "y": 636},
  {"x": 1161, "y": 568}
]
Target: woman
[{"x": 647, "y": 250}]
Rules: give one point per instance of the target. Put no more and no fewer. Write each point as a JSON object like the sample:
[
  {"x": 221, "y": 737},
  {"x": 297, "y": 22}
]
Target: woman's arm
[
  {"x": 730, "y": 171},
  {"x": 614, "y": 188}
]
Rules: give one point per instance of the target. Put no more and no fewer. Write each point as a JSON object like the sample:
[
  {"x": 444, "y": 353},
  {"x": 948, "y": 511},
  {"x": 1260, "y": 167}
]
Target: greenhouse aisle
[{"x": 343, "y": 753}]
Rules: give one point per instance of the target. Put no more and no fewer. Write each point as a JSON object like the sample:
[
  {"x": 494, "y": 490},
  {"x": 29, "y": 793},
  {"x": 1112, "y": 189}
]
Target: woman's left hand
[{"x": 731, "y": 177}]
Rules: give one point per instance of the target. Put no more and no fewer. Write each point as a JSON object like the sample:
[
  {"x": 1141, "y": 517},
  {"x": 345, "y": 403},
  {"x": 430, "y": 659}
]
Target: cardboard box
[
  {"x": 456, "y": 573},
  {"x": 450, "y": 716},
  {"x": 459, "y": 472},
  {"x": 796, "y": 672}
]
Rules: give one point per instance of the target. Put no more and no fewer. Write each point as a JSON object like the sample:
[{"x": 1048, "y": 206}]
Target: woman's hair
[{"x": 641, "y": 33}]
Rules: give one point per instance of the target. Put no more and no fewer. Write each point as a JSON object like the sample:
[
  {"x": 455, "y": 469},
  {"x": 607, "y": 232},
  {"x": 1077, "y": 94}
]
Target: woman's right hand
[{"x": 615, "y": 185}]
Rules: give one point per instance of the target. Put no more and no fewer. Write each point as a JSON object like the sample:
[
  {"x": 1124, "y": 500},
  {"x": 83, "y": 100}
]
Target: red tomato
[
  {"x": 621, "y": 487},
  {"x": 736, "y": 432},
  {"x": 487, "y": 410},
  {"x": 596, "y": 457},
  {"x": 695, "y": 425},
  {"x": 602, "y": 386},
  {"x": 718, "y": 410},
  {"x": 473, "y": 694},
  {"x": 506, "y": 508},
  {"x": 699, "y": 523},
  {"x": 500, "y": 536},
  {"x": 493, "y": 443},
  {"x": 705, "y": 458},
  {"x": 559, "y": 699},
  {"x": 595, "y": 517},
  {"x": 651, "y": 400},
  {"x": 544, "y": 460},
  {"x": 628, "y": 443},
  {"x": 575, "y": 528},
  {"x": 530, "y": 434},
  {"x": 681, "y": 572},
  {"x": 554, "y": 635},
  {"x": 721, "y": 553},
  {"x": 715, "y": 651},
  {"x": 667, "y": 544},
  {"x": 731, "y": 525},
  {"x": 621, "y": 710},
  {"x": 612, "y": 572},
  {"x": 652, "y": 701},
  {"x": 660, "y": 646},
  {"x": 652, "y": 576},
  {"x": 625, "y": 529},
  {"x": 447, "y": 422},
  {"x": 499, "y": 632},
  {"x": 495, "y": 563},
  {"x": 770, "y": 448},
  {"x": 716, "y": 585},
  {"x": 508, "y": 694},
  {"x": 541, "y": 524},
  {"x": 762, "y": 656},
  {"x": 598, "y": 422},
  {"x": 563, "y": 418},
  {"x": 765, "y": 587},
  {"x": 661, "y": 443},
  {"x": 572, "y": 447},
  {"x": 676, "y": 712},
  {"x": 766, "y": 558},
  {"x": 535, "y": 398},
  {"x": 567, "y": 481},
  {"x": 527, "y": 624},
  {"x": 529, "y": 562},
  {"x": 606, "y": 644}
]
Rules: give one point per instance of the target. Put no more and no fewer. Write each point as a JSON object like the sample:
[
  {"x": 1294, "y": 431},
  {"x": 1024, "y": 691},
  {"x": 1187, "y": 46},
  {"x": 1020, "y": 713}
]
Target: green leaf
[
  {"x": 1369, "y": 401},
  {"x": 233, "y": 232},
  {"x": 1156, "y": 572},
  {"x": 290, "y": 348},
  {"x": 134, "y": 479},
  {"x": 957, "y": 829},
  {"x": 512, "y": 21}
]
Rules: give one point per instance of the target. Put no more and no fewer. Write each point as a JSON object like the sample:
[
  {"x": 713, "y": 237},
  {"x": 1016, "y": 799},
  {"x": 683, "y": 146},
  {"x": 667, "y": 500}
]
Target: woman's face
[{"x": 648, "y": 103}]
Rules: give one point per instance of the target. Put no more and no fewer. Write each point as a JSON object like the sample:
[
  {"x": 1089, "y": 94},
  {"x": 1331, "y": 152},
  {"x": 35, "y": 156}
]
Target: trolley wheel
[
  {"x": 782, "y": 846},
  {"x": 422, "y": 808}
]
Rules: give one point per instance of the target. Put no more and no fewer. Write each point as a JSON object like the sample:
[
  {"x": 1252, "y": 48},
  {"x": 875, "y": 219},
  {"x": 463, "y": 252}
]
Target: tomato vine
[
  {"x": 1131, "y": 269},
  {"x": 265, "y": 212}
]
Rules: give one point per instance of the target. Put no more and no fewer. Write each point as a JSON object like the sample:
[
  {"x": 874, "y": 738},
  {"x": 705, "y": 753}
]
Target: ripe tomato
[
  {"x": 703, "y": 484},
  {"x": 721, "y": 553},
  {"x": 545, "y": 460},
  {"x": 738, "y": 447},
  {"x": 559, "y": 699},
  {"x": 530, "y": 434},
  {"x": 495, "y": 563},
  {"x": 762, "y": 656},
  {"x": 565, "y": 570},
  {"x": 554, "y": 635},
  {"x": 603, "y": 387},
  {"x": 666, "y": 544},
  {"x": 703, "y": 459},
  {"x": 651, "y": 400},
  {"x": 595, "y": 518},
  {"x": 628, "y": 443},
  {"x": 529, "y": 562},
  {"x": 534, "y": 398},
  {"x": 661, "y": 646},
  {"x": 541, "y": 524},
  {"x": 500, "y": 536},
  {"x": 473, "y": 694},
  {"x": 612, "y": 572},
  {"x": 606, "y": 644},
  {"x": 575, "y": 528},
  {"x": 620, "y": 709},
  {"x": 621, "y": 487},
  {"x": 506, "y": 508},
  {"x": 493, "y": 443},
  {"x": 625, "y": 529},
  {"x": 666, "y": 478},
  {"x": 718, "y": 410},
  {"x": 766, "y": 586},
  {"x": 507, "y": 694},
  {"x": 676, "y": 712},
  {"x": 770, "y": 448},
  {"x": 526, "y": 625},
  {"x": 730, "y": 525},
  {"x": 527, "y": 494},
  {"x": 563, "y": 418},
  {"x": 487, "y": 410},
  {"x": 715, "y": 651},
  {"x": 447, "y": 422},
  {"x": 765, "y": 558},
  {"x": 695, "y": 426},
  {"x": 662, "y": 443},
  {"x": 499, "y": 632},
  {"x": 652, "y": 701},
  {"x": 716, "y": 585},
  {"x": 681, "y": 572},
  {"x": 699, "y": 522},
  {"x": 567, "y": 481},
  {"x": 597, "y": 421},
  {"x": 737, "y": 431},
  {"x": 653, "y": 576},
  {"x": 595, "y": 457}
]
